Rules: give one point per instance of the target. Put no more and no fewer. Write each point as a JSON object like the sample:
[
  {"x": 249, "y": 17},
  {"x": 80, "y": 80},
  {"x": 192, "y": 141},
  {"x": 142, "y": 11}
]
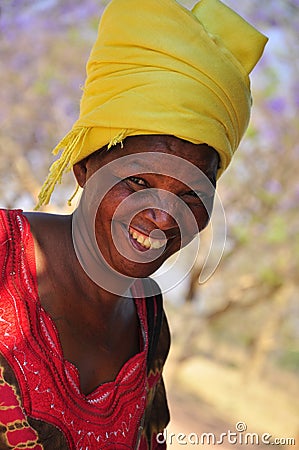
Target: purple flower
[
  {"x": 273, "y": 186},
  {"x": 277, "y": 104}
]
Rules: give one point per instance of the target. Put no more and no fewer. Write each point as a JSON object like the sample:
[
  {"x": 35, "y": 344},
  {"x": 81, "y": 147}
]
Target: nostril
[{"x": 162, "y": 218}]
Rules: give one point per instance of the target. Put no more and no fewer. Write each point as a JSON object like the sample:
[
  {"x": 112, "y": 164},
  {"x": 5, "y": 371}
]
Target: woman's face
[{"x": 161, "y": 197}]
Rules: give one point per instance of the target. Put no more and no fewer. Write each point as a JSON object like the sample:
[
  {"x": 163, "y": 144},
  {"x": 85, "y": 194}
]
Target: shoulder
[
  {"x": 48, "y": 232},
  {"x": 13, "y": 228},
  {"x": 46, "y": 226},
  {"x": 15, "y": 246},
  {"x": 41, "y": 223},
  {"x": 8, "y": 220},
  {"x": 14, "y": 221}
]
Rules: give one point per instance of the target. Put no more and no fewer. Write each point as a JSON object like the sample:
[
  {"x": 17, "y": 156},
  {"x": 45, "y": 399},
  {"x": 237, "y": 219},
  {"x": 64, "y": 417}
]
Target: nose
[
  {"x": 163, "y": 212},
  {"x": 171, "y": 215},
  {"x": 161, "y": 219}
]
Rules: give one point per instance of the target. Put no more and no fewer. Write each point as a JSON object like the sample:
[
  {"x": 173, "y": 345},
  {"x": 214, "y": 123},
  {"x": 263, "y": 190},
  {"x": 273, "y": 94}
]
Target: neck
[
  {"x": 100, "y": 305},
  {"x": 89, "y": 258},
  {"x": 59, "y": 269}
]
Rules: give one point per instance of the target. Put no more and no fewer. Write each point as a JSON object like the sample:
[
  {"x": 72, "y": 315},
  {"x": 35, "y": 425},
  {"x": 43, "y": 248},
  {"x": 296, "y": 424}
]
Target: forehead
[
  {"x": 197, "y": 154},
  {"x": 149, "y": 152}
]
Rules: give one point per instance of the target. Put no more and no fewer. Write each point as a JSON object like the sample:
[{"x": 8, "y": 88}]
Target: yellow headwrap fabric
[{"x": 158, "y": 68}]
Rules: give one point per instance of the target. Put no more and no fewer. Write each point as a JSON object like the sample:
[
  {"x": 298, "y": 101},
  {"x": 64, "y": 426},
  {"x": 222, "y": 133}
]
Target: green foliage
[
  {"x": 270, "y": 276},
  {"x": 269, "y": 199},
  {"x": 277, "y": 230},
  {"x": 241, "y": 234},
  {"x": 289, "y": 359}
]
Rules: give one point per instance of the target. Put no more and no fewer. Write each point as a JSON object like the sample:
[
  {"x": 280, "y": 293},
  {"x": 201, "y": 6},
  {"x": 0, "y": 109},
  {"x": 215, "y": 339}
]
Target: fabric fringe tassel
[
  {"x": 72, "y": 148},
  {"x": 69, "y": 202},
  {"x": 118, "y": 139}
]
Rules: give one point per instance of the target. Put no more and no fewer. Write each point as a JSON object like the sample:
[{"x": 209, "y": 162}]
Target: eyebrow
[
  {"x": 146, "y": 168},
  {"x": 140, "y": 164},
  {"x": 136, "y": 165}
]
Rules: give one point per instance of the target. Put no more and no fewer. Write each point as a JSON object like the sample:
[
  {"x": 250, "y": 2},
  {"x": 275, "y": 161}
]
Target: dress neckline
[{"x": 50, "y": 334}]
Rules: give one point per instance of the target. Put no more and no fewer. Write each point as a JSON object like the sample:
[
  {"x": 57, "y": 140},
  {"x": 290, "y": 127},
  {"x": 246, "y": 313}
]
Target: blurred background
[{"x": 235, "y": 338}]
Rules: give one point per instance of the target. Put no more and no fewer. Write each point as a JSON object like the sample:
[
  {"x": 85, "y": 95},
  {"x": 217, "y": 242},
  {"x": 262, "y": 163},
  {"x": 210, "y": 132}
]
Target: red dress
[{"x": 41, "y": 405}]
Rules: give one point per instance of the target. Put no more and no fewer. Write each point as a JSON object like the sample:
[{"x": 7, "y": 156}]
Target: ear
[{"x": 80, "y": 172}]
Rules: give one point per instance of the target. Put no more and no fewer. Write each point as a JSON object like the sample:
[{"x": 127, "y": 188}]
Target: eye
[
  {"x": 199, "y": 197},
  {"x": 138, "y": 181}
]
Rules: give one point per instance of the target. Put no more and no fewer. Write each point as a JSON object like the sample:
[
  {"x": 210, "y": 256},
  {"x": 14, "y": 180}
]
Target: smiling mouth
[{"x": 146, "y": 242}]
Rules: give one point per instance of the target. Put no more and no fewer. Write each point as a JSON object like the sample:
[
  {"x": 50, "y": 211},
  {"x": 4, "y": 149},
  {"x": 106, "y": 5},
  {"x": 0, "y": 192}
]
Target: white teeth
[
  {"x": 145, "y": 241},
  {"x": 140, "y": 239},
  {"x": 157, "y": 244}
]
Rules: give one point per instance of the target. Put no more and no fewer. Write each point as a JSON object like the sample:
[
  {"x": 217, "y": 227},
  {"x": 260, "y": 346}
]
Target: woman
[{"x": 83, "y": 333}]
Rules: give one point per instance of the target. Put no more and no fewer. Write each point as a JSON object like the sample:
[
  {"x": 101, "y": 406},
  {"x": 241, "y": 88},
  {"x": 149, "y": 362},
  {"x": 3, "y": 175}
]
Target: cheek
[
  {"x": 203, "y": 220},
  {"x": 198, "y": 222},
  {"x": 110, "y": 209},
  {"x": 194, "y": 221},
  {"x": 106, "y": 211},
  {"x": 194, "y": 227},
  {"x": 204, "y": 214}
]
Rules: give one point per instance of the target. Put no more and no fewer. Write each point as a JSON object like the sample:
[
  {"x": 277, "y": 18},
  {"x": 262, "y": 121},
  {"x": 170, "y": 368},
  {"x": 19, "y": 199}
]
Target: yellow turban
[{"x": 158, "y": 68}]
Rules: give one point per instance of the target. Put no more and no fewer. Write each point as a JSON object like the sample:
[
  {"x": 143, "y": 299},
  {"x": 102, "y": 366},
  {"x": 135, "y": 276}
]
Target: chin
[
  {"x": 137, "y": 269},
  {"x": 149, "y": 262}
]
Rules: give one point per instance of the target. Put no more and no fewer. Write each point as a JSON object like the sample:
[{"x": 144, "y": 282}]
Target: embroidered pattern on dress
[{"x": 17, "y": 431}]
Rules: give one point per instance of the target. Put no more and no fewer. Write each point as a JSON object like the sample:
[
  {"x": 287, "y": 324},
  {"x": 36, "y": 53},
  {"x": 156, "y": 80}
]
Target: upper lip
[{"x": 168, "y": 235}]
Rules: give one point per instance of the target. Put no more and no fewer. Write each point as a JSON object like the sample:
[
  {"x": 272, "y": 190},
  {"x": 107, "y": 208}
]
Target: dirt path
[
  {"x": 188, "y": 416},
  {"x": 206, "y": 397}
]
